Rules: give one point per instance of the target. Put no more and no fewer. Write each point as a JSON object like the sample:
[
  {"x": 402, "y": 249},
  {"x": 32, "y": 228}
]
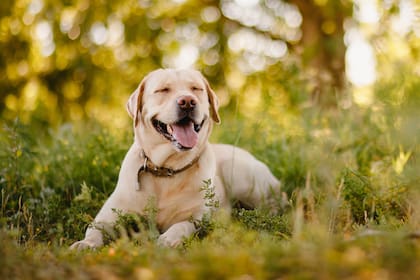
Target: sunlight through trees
[{"x": 65, "y": 61}]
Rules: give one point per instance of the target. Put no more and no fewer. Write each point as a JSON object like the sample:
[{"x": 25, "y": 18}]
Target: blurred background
[{"x": 66, "y": 61}]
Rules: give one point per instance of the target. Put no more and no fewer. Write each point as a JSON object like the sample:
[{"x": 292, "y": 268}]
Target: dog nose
[{"x": 186, "y": 102}]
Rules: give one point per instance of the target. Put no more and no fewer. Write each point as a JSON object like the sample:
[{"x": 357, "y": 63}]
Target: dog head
[{"x": 173, "y": 107}]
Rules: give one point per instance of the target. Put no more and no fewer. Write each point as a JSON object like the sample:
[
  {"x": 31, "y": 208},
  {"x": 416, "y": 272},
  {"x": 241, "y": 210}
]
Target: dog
[{"x": 173, "y": 113}]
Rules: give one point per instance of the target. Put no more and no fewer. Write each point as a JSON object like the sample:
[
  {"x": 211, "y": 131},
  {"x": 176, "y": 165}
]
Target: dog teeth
[{"x": 169, "y": 129}]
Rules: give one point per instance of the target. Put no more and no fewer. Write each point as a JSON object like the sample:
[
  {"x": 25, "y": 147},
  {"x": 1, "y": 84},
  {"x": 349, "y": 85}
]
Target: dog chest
[{"x": 176, "y": 199}]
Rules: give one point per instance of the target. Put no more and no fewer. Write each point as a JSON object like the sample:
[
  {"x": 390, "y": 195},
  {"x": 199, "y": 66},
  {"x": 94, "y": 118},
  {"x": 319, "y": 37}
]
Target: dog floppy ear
[
  {"x": 134, "y": 102},
  {"x": 214, "y": 102}
]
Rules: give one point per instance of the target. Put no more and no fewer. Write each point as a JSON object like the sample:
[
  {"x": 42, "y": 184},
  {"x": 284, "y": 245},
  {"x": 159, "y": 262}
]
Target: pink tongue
[{"x": 185, "y": 134}]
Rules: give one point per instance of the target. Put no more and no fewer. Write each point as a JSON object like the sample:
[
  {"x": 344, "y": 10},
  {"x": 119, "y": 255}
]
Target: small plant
[
  {"x": 369, "y": 202},
  {"x": 210, "y": 195},
  {"x": 204, "y": 226},
  {"x": 264, "y": 219},
  {"x": 17, "y": 161},
  {"x": 142, "y": 228}
]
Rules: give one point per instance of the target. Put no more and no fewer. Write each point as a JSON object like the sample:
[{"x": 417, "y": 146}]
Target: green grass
[{"x": 349, "y": 208}]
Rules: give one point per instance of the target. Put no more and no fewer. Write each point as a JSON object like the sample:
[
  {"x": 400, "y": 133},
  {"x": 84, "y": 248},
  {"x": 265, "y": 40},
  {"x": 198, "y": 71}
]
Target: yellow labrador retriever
[{"x": 173, "y": 113}]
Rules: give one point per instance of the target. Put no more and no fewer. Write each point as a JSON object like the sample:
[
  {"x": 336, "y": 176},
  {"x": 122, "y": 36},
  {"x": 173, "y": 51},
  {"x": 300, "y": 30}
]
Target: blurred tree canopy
[{"x": 70, "y": 60}]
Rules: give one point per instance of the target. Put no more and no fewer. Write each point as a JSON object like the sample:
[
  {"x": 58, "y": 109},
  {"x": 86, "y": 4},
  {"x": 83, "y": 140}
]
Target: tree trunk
[{"x": 322, "y": 44}]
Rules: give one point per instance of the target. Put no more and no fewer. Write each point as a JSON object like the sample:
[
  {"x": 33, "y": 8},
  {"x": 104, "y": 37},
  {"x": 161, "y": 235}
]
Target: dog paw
[
  {"x": 83, "y": 245},
  {"x": 168, "y": 240}
]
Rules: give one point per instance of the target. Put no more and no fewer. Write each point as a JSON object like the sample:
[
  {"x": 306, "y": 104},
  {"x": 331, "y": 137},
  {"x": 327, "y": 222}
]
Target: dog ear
[
  {"x": 214, "y": 102},
  {"x": 134, "y": 102}
]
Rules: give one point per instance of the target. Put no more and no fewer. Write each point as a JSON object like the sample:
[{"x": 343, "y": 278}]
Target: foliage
[
  {"x": 65, "y": 61},
  {"x": 349, "y": 207},
  {"x": 141, "y": 228},
  {"x": 70, "y": 60},
  {"x": 41, "y": 182}
]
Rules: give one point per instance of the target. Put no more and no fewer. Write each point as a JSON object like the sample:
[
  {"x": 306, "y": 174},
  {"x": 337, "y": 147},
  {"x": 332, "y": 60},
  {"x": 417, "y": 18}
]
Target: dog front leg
[{"x": 104, "y": 221}]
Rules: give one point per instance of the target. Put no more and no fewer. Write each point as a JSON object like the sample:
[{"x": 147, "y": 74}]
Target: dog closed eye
[
  {"x": 195, "y": 88},
  {"x": 163, "y": 90}
]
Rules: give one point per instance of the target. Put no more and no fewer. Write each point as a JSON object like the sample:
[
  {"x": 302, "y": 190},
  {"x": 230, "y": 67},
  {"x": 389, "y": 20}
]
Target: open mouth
[{"x": 183, "y": 134}]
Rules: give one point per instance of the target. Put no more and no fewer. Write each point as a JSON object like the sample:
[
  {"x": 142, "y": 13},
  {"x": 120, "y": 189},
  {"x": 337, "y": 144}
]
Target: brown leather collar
[{"x": 158, "y": 171}]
